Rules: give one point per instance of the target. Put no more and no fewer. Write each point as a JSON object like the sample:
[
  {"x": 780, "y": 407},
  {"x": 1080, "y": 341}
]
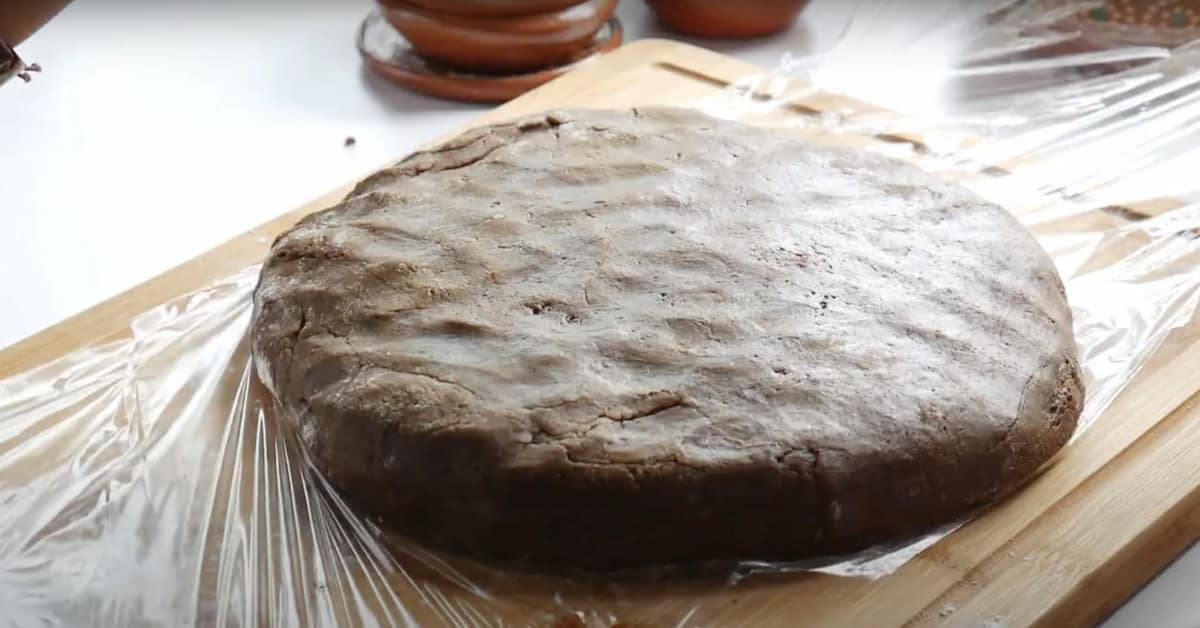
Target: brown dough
[{"x": 605, "y": 340}]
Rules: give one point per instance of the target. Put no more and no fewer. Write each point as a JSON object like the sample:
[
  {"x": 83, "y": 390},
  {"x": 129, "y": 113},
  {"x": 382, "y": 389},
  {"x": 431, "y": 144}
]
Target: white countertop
[{"x": 159, "y": 130}]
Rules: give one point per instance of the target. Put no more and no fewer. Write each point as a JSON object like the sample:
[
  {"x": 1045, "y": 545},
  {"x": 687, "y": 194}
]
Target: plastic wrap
[{"x": 152, "y": 481}]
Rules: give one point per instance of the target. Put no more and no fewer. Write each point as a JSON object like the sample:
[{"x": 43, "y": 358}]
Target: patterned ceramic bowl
[{"x": 1122, "y": 23}]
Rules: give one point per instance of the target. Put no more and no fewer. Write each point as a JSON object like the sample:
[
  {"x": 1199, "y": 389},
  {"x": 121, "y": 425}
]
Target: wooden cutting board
[{"x": 1115, "y": 508}]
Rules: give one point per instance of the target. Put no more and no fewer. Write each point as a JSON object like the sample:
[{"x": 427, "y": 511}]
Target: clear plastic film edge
[{"x": 152, "y": 481}]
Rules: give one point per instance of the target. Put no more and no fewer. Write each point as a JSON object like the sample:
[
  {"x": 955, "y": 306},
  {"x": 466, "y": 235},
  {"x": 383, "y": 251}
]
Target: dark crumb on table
[
  {"x": 26, "y": 73},
  {"x": 350, "y": 141}
]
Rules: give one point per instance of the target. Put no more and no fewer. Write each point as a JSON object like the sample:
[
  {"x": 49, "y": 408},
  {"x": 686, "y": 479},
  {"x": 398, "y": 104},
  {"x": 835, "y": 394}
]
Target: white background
[{"x": 160, "y": 130}]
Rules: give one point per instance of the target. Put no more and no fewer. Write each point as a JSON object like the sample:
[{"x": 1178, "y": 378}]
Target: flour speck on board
[
  {"x": 947, "y": 610},
  {"x": 994, "y": 622}
]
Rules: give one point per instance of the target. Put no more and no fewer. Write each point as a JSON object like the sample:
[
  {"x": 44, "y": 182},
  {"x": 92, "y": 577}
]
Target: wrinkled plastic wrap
[{"x": 152, "y": 481}]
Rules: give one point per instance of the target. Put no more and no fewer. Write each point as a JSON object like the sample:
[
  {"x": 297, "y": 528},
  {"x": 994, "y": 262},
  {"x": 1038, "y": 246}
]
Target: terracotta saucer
[{"x": 389, "y": 55}]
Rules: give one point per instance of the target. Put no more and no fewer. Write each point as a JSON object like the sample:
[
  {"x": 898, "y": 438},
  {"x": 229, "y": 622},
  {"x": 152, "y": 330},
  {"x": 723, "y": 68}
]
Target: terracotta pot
[
  {"x": 22, "y": 19},
  {"x": 727, "y": 18},
  {"x": 505, "y": 44},
  {"x": 484, "y": 8}
]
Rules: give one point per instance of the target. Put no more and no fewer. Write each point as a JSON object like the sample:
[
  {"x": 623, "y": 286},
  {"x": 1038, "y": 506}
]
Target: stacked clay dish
[{"x": 499, "y": 36}]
